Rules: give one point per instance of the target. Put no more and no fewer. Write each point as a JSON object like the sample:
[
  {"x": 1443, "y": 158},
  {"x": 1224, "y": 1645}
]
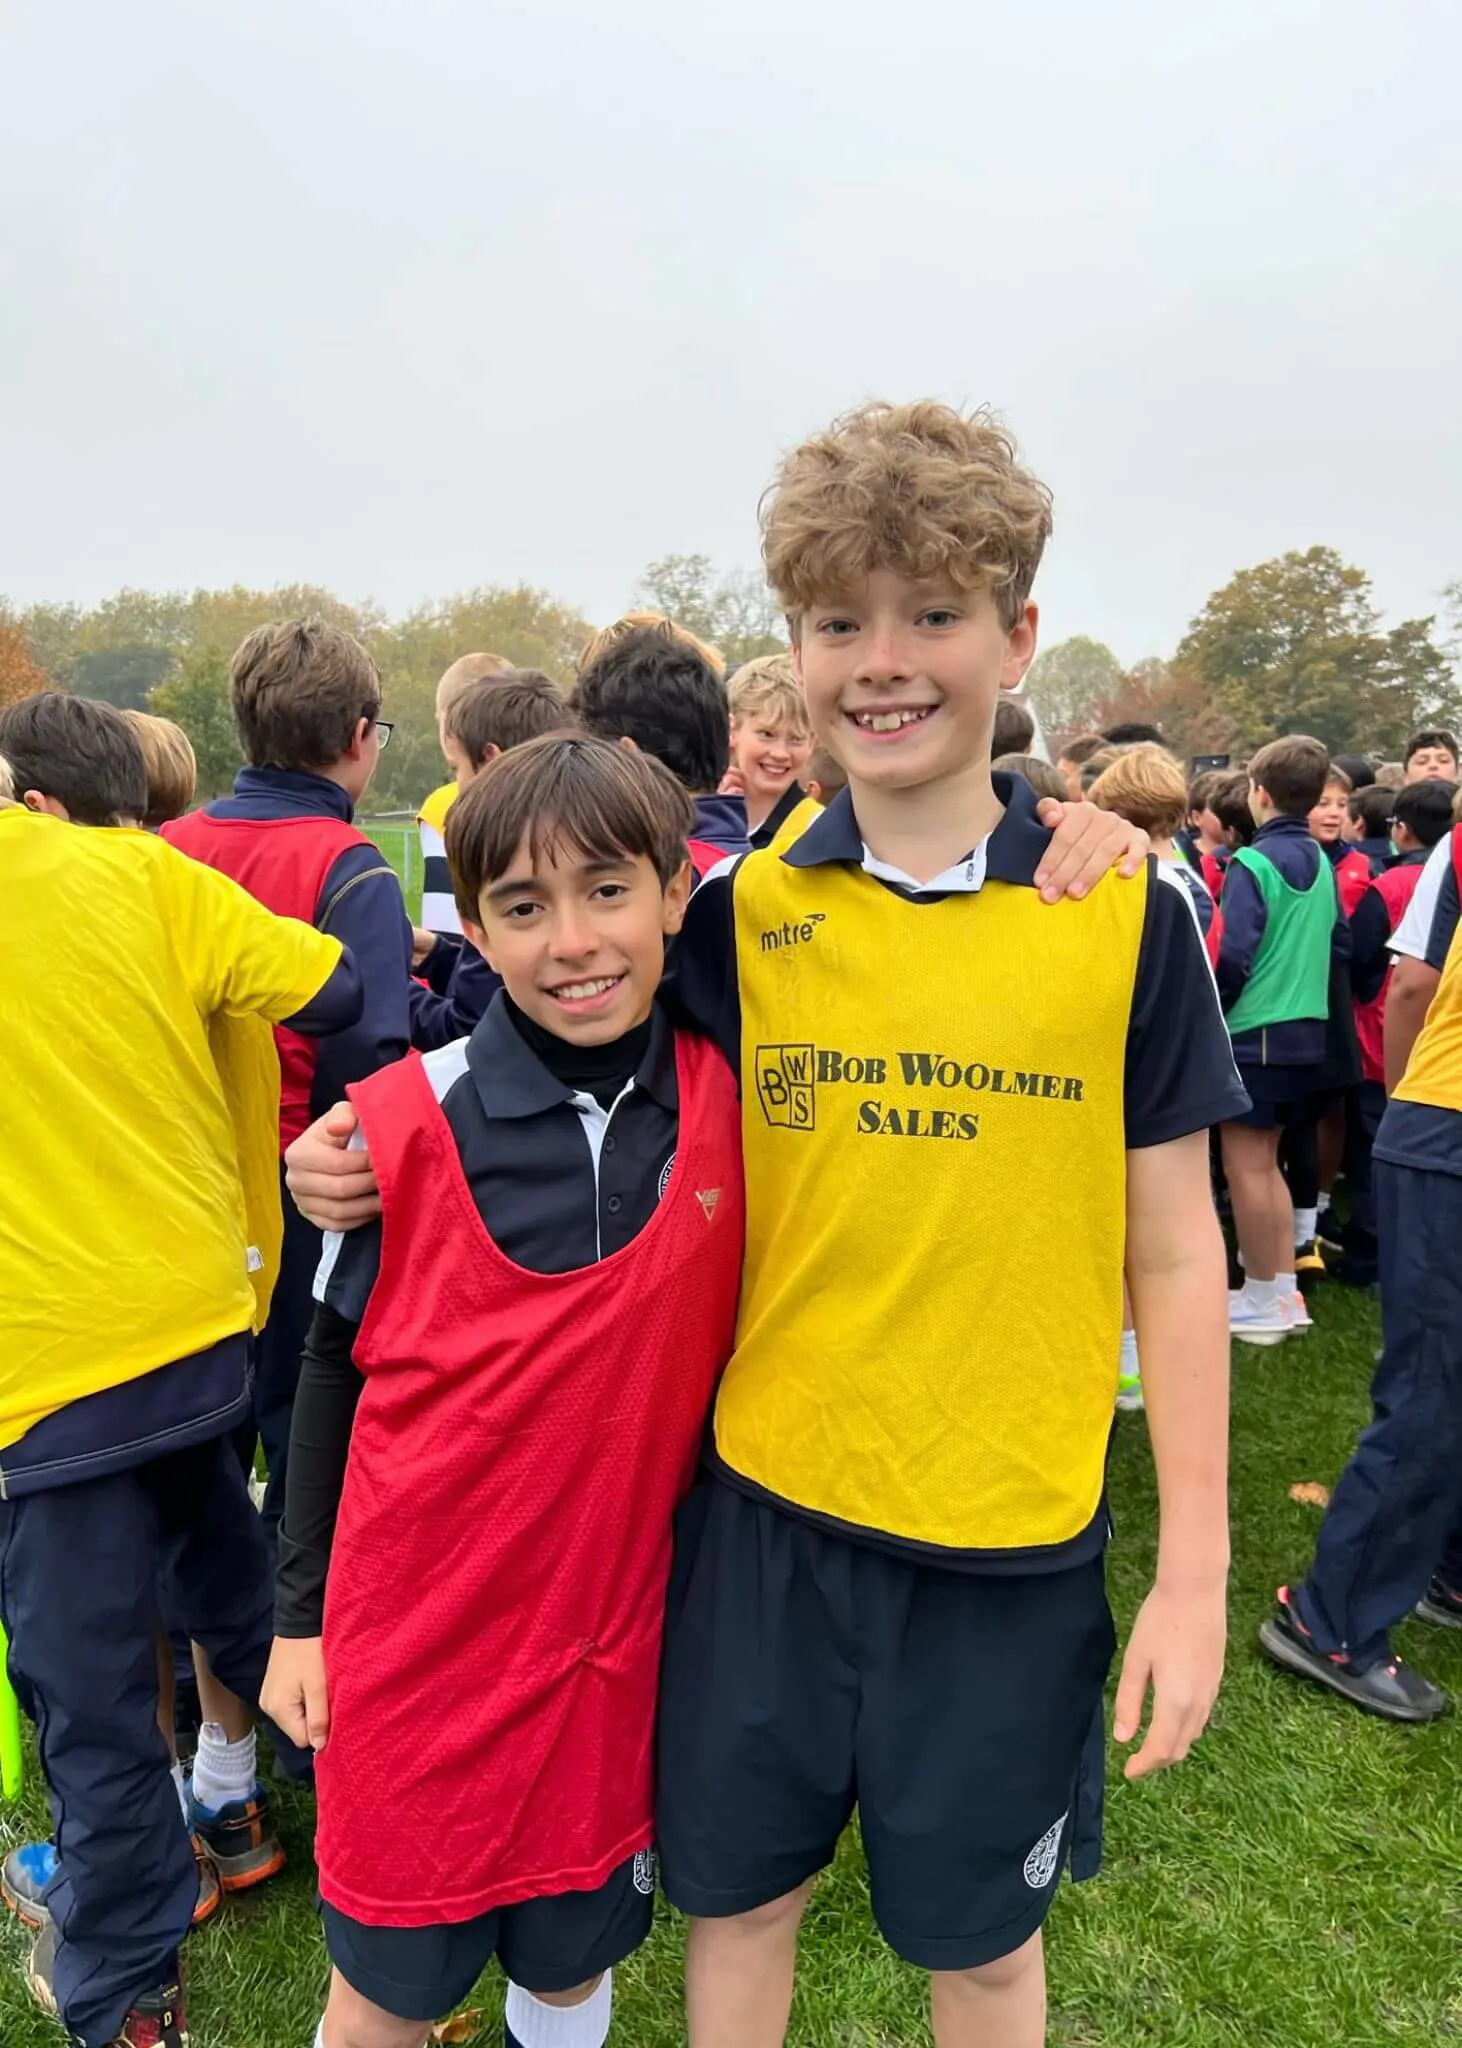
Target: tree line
[{"x": 1296, "y": 644}]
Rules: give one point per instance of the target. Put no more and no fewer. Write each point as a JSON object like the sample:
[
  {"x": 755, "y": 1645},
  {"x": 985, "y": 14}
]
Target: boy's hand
[
  {"x": 1176, "y": 1646},
  {"x": 423, "y": 945},
  {"x": 335, "y": 1189},
  {"x": 1087, "y": 843},
  {"x": 294, "y": 1694},
  {"x": 732, "y": 783}
]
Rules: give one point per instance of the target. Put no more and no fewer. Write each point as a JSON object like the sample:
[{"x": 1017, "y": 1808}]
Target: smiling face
[
  {"x": 902, "y": 679},
  {"x": 578, "y": 940},
  {"x": 770, "y": 754},
  {"x": 1327, "y": 819}
]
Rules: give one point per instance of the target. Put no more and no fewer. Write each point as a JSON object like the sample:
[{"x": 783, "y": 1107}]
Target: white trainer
[{"x": 1252, "y": 1325}]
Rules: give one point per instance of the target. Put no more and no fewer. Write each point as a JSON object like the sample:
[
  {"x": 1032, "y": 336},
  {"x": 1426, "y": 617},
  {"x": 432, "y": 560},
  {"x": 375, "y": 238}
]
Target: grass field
[
  {"x": 398, "y": 840},
  {"x": 1295, "y": 1885}
]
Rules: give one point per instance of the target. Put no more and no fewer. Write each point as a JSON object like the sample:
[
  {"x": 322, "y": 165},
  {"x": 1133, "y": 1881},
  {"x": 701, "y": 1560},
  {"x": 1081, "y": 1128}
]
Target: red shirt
[{"x": 496, "y": 1595}]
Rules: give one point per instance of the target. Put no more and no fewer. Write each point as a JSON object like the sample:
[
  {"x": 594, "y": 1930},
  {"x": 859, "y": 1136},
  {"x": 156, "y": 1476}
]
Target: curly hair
[{"x": 928, "y": 492}]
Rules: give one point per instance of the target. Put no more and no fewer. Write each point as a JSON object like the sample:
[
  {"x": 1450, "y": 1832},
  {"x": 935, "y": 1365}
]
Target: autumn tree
[
  {"x": 735, "y": 612},
  {"x": 1297, "y": 645},
  {"x": 20, "y": 676}
]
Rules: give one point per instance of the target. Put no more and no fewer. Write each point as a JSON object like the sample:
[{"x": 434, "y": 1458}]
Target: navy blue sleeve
[
  {"x": 1370, "y": 928},
  {"x": 361, "y": 904},
  {"x": 319, "y": 1449},
  {"x": 1444, "y": 921},
  {"x": 441, "y": 964},
  {"x": 437, "y": 1019},
  {"x": 335, "y": 1006},
  {"x": 1245, "y": 914},
  {"x": 700, "y": 990},
  {"x": 1180, "y": 1073}
]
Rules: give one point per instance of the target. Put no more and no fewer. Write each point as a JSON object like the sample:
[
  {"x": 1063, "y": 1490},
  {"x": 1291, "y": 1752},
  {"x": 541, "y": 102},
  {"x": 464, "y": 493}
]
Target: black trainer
[
  {"x": 1391, "y": 1689},
  {"x": 1441, "y": 1605}
]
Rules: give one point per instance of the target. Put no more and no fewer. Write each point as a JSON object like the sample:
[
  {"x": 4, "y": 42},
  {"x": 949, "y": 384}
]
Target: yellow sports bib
[{"x": 929, "y": 1328}]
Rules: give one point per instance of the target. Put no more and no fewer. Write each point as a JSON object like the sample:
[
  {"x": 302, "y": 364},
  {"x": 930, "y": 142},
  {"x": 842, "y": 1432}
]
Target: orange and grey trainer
[{"x": 240, "y": 1839}]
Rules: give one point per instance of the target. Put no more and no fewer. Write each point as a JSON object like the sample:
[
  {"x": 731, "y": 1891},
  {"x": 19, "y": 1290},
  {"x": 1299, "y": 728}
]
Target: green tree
[
  {"x": 1069, "y": 680},
  {"x": 735, "y": 612},
  {"x": 125, "y": 676},
  {"x": 196, "y": 696},
  {"x": 1296, "y": 645}
]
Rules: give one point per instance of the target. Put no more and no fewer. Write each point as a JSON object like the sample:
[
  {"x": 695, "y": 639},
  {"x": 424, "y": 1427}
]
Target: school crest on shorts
[
  {"x": 645, "y": 1871},
  {"x": 1040, "y": 1865}
]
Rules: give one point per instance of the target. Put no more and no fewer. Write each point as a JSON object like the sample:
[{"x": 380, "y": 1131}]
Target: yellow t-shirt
[
  {"x": 1434, "y": 1072},
  {"x": 123, "y": 1235}
]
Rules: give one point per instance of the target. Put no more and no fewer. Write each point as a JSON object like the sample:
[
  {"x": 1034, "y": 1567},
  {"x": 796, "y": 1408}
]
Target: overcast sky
[{"x": 405, "y": 297}]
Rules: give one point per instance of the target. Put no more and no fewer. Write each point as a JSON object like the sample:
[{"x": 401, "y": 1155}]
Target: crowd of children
[{"x": 640, "y": 1479}]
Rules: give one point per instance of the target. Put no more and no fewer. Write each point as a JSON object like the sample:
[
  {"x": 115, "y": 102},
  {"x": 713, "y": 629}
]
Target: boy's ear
[
  {"x": 52, "y": 806},
  {"x": 476, "y": 936},
  {"x": 1020, "y": 647},
  {"x": 489, "y": 753},
  {"x": 677, "y": 896},
  {"x": 626, "y": 741}
]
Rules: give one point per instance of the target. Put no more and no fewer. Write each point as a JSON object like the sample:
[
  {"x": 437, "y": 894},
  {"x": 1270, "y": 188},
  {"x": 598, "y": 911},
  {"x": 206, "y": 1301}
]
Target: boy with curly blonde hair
[{"x": 889, "y": 1585}]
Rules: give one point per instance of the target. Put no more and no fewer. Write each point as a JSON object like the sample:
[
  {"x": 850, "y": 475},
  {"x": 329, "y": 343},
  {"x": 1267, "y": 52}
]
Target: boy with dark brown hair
[
  {"x": 1282, "y": 922},
  {"x": 568, "y": 1180}
]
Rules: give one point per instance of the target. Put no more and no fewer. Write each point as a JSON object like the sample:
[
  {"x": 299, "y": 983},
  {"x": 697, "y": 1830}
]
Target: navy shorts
[
  {"x": 806, "y": 1674},
  {"x": 421, "y": 1973},
  {"x": 1279, "y": 1097}
]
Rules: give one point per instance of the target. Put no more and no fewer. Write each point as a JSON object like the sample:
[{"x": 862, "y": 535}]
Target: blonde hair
[
  {"x": 1145, "y": 786},
  {"x": 632, "y": 622},
  {"x": 927, "y": 492},
  {"x": 172, "y": 767},
  {"x": 769, "y": 685},
  {"x": 7, "y": 782},
  {"x": 466, "y": 670}
]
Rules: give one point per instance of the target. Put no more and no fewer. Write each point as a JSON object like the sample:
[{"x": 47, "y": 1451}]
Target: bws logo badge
[
  {"x": 785, "y": 1085},
  {"x": 1040, "y": 1865}
]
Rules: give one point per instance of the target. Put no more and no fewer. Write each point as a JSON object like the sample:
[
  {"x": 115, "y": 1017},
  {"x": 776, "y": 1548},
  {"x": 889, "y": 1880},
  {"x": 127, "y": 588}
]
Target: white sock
[
  {"x": 223, "y": 1771},
  {"x": 180, "y": 1787},
  {"x": 1287, "y": 1283},
  {"x": 537, "y": 2025},
  {"x": 1262, "y": 1294},
  {"x": 320, "y": 2035},
  {"x": 1324, "y": 1207},
  {"x": 1131, "y": 1370},
  {"x": 1305, "y": 1221}
]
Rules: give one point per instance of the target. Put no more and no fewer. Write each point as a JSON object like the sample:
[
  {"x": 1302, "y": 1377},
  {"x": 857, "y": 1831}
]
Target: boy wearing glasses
[{"x": 306, "y": 700}]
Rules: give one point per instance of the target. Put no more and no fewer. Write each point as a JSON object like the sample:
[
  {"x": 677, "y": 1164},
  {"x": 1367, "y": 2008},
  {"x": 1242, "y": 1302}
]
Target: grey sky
[{"x": 406, "y": 296}]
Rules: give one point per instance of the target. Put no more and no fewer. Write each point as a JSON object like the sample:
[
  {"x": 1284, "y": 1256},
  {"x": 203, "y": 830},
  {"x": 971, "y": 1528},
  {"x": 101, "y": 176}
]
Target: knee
[
  {"x": 352, "y": 2021},
  {"x": 580, "y": 1994},
  {"x": 1003, "y": 1975},
  {"x": 777, "y": 1916}
]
